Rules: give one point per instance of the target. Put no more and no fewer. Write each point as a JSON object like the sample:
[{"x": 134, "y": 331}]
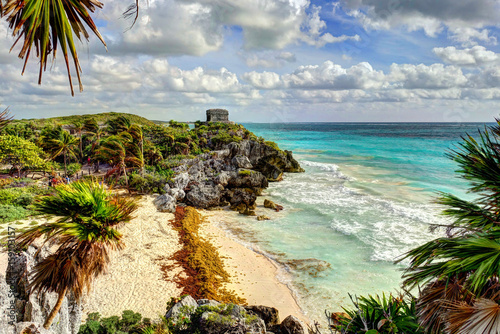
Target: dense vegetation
[{"x": 135, "y": 152}]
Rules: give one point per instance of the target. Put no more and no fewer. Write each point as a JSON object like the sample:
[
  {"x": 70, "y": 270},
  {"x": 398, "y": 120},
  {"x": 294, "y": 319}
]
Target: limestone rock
[
  {"x": 271, "y": 205},
  {"x": 165, "y": 203},
  {"x": 236, "y": 321},
  {"x": 270, "y": 315},
  {"x": 204, "y": 196},
  {"x": 31, "y": 328},
  {"x": 263, "y": 217},
  {"x": 247, "y": 179},
  {"x": 292, "y": 325},
  {"x": 32, "y": 309},
  {"x": 242, "y": 196},
  {"x": 181, "y": 181},
  {"x": 223, "y": 178},
  {"x": 241, "y": 161},
  {"x": 185, "y": 307},
  {"x": 176, "y": 193},
  {"x": 207, "y": 302}
]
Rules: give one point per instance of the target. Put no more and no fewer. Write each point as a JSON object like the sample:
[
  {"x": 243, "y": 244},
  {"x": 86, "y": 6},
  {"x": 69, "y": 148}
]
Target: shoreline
[
  {"x": 254, "y": 276},
  {"x": 135, "y": 279}
]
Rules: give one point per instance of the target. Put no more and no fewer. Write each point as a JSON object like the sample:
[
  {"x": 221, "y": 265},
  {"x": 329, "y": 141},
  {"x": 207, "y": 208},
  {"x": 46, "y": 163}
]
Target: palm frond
[
  {"x": 46, "y": 24},
  {"x": 483, "y": 316}
]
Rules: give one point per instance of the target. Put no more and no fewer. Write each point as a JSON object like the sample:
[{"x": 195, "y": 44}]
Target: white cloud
[
  {"x": 268, "y": 59},
  {"x": 333, "y": 76},
  {"x": 477, "y": 55},
  {"x": 264, "y": 80},
  {"x": 435, "y": 76},
  {"x": 465, "y": 19}
]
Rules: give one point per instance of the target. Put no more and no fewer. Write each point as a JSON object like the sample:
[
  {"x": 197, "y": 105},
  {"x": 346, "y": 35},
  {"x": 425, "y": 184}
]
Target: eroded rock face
[
  {"x": 213, "y": 179},
  {"x": 270, "y": 315},
  {"x": 31, "y": 309},
  {"x": 165, "y": 203},
  {"x": 204, "y": 196},
  {"x": 185, "y": 307},
  {"x": 292, "y": 325}
]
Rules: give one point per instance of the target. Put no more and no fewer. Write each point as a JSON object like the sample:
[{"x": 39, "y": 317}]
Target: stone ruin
[{"x": 218, "y": 115}]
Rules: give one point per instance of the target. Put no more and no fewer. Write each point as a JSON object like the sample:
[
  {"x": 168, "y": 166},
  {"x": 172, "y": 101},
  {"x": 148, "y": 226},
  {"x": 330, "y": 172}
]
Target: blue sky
[{"x": 277, "y": 61}]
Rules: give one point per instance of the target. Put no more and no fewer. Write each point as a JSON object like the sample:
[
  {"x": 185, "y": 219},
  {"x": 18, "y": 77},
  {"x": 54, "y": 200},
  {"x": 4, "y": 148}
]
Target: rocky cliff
[
  {"x": 234, "y": 175},
  {"x": 22, "y": 311}
]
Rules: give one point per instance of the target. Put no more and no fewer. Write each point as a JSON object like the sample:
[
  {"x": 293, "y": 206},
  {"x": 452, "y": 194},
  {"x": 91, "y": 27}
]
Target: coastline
[
  {"x": 135, "y": 279},
  {"x": 253, "y": 275}
]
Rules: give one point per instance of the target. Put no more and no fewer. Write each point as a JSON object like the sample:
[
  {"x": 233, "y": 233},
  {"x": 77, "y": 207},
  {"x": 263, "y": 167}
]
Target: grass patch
[{"x": 201, "y": 261}]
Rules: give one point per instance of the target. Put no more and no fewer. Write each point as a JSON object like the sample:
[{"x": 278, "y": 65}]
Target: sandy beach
[{"x": 135, "y": 280}]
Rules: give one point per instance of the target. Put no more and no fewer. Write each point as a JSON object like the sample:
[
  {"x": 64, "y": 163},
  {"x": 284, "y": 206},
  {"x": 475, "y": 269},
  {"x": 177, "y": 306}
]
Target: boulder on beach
[
  {"x": 271, "y": 205},
  {"x": 204, "y": 196},
  {"x": 165, "y": 203},
  {"x": 263, "y": 217}
]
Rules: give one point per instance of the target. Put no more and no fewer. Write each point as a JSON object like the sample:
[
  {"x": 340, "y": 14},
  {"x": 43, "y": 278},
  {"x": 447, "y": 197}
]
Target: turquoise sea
[{"x": 366, "y": 198}]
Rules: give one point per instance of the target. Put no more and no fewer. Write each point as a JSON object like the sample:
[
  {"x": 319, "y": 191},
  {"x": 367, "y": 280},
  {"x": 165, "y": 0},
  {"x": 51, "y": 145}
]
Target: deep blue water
[{"x": 366, "y": 198}]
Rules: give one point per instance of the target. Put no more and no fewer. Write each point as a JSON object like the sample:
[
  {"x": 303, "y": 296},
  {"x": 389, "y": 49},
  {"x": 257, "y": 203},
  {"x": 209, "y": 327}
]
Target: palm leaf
[
  {"x": 45, "y": 24},
  {"x": 481, "y": 317}
]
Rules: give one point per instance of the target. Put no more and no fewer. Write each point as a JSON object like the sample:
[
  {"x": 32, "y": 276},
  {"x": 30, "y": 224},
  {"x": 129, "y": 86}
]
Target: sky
[{"x": 276, "y": 61}]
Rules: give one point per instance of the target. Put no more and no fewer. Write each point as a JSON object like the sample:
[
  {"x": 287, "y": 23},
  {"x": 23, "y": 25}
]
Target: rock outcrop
[
  {"x": 235, "y": 175},
  {"x": 211, "y": 317},
  {"x": 25, "y": 308}
]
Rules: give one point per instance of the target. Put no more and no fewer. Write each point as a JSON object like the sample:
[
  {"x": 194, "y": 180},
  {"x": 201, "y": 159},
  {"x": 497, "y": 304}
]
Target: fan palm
[
  {"x": 460, "y": 272},
  {"x": 84, "y": 234},
  {"x": 95, "y": 133},
  {"x": 46, "y": 24},
  {"x": 60, "y": 142},
  {"x": 115, "y": 149}
]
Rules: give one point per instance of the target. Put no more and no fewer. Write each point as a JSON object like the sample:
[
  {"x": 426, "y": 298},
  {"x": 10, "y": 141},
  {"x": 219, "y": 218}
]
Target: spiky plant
[
  {"x": 49, "y": 24},
  {"x": 84, "y": 232},
  {"x": 460, "y": 272},
  {"x": 5, "y": 118}
]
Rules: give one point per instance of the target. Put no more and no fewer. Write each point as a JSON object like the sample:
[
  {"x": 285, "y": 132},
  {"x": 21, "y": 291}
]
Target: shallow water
[{"x": 364, "y": 200}]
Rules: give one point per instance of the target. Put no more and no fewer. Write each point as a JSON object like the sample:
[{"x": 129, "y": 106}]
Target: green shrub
[
  {"x": 272, "y": 144},
  {"x": 10, "y": 213},
  {"x": 7, "y": 196},
  {"x": 380, "y": 315},
  {"x": 24, "y": 199},
  {"x": 73, "y": 169},
  {"x": 149, "y": 183},
  {"x": 225, "y": 138},
  {"x": 245, "y": 172},
  {"x": 130, "y": 322}
]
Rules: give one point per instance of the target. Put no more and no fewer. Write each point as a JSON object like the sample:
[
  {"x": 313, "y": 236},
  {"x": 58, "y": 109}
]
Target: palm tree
[
  {"x": 115, "y": 149},
  {"x": 60, "y": 142},
  {"x": 136, "y": 146},
  {"x": 460, "y": 273},
  {"x": 84, "y": 233},
  {"x": 95, "y": 133},
  {"x": 79, "y": 127}
]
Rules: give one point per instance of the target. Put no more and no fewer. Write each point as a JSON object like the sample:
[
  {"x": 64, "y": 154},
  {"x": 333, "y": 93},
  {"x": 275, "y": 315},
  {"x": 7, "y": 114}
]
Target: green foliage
[
  {"x": 73, "y": 169},
  {"x": 20, "y": 153},
  {"x": 178, "y": 125},
  {"x": 148, "y": 183},
  {"x": 273, "y": 145},
  {"x": 10, "y": 213},
  {"x": 385, "y": 314},
  {"x": 130, "y": 322},
  {"x": 100, "y": 118},
  {"x": 225, "y": 138}
]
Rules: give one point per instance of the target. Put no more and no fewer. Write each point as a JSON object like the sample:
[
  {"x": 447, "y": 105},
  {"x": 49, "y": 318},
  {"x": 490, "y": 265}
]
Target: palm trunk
[
  {"x": 55, "y": 310},
  {"x": 124, "y": 167},
  {"x": 65, "y": 167},
  {"x": 81, "y": 149}
]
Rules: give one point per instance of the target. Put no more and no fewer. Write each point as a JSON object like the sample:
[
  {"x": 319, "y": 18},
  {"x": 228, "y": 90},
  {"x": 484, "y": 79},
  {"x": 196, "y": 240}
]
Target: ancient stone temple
[{"x": 217, "y": 115}]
